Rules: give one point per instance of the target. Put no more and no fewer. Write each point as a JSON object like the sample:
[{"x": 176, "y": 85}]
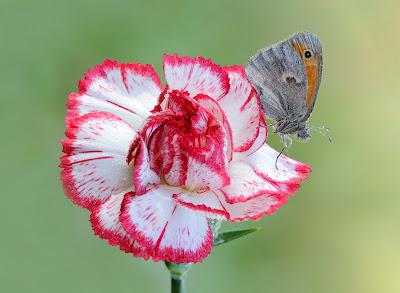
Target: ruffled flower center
[{"x": 186, "y": 143}]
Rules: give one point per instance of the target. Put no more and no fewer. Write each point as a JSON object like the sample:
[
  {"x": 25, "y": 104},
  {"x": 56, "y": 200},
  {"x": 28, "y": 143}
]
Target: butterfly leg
[{"x": 287, "y": 143}]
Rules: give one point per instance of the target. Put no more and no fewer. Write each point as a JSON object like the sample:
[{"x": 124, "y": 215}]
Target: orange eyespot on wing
[{"x": 312, "y": 71}]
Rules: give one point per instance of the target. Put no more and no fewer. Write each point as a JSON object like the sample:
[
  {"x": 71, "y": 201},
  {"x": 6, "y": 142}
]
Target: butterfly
[{"x": 287, "y": 76}]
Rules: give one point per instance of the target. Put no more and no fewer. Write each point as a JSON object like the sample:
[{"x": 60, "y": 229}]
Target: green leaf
[{"x": 225, "y": 237}]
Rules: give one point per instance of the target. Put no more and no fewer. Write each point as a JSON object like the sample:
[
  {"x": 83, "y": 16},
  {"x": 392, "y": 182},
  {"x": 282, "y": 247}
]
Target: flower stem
[
  {"x": 178, "y": 285},
  {"x": 178, "y": 276}
]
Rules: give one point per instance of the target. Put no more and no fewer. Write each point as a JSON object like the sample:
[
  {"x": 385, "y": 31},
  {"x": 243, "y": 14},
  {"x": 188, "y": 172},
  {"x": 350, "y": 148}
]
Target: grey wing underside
[{"x": 278, "y": 75}]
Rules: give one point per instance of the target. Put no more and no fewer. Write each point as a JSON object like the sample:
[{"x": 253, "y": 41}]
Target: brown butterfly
[{"x": 287, "y": 76}]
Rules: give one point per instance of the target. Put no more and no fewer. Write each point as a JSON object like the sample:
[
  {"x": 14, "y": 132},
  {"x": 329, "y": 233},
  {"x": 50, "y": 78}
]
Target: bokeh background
[{"x": 340, "y": 233}]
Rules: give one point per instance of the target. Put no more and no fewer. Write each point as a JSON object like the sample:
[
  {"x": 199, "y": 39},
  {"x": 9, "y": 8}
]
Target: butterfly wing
[{"x": 280, "y": 75}]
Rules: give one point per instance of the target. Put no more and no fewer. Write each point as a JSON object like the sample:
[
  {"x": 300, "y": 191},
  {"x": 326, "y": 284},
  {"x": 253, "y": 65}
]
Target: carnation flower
[{"x": 152, "y": 164}]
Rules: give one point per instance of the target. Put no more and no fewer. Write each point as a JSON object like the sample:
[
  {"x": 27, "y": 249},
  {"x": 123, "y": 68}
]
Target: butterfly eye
[{"x": 307, "y": 54}]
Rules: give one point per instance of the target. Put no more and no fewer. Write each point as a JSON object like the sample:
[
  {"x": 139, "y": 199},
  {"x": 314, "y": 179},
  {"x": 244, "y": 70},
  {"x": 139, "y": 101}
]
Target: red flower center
[{"x": 186, "y": 145}]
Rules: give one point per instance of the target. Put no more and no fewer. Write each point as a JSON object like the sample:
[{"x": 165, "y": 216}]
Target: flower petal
[
  {"x": 252, "y": 209},
  {"x": 206, "y": 202},
  {"x": 196, "y": 76},
  {"x": 127, "y": 90},
  {"x": 175, "y": 162},
  {"x": 216, "y": 111},
  {"x": 95, "y": 163},
  {"x": 287, "y": 171},
  {"x": 106, "y": 224},
  {"x": 258, "y": 143},
  {"x": 143, "y": 175},
  {"x": 242, "y": 109},
  {"x": 168, "y": 230},
  {"x": 246, "y": 184},
  {"x": 205, "y": 174}
]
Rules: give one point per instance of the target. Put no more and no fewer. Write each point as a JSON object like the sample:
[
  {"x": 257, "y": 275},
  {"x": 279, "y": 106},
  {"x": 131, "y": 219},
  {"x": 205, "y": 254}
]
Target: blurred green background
[{"x": 340, "y": 233}]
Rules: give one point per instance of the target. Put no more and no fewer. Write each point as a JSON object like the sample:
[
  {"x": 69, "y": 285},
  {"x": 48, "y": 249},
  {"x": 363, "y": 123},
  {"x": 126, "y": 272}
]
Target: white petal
[
  {"x": 252, "y": 209},
  {"x": 242, "y": 109},
  {"x": 286, "y": 171},
  {"x": 205, "y": 174},
  {"x": 246, "y": 184},
  {"x": 205, "y": 202},
  {"x": 95, "y": 164},
  {"x": 106, "y": 224},
  {"x": 143, "y": 175},
  {"x": 168, "y": 230},
  {"x": 129, "y": 91},
  {"x": 196, "y": 76},
  {"x": 187, "y": 237}
]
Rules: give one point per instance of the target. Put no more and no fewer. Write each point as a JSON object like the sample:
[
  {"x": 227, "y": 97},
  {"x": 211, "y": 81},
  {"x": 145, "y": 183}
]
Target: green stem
[
  {"x": 178, "y": 276},
  {"x": 178, "y": 285}
]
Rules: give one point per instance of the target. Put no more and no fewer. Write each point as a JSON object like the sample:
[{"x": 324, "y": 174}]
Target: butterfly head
[{"x": 303, "y": 133}]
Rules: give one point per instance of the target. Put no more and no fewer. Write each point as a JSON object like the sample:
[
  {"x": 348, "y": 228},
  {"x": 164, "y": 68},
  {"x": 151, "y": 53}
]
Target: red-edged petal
[
  {"x": 143, "y": 175},
  {"x": 175, "y": 161},
  {"x": 167, "y": 229},
  {"x": 106, "y": 224},
  {"x": 183, "y": 166},
  {"x": 216, "y": 111},
  {"x": 246, "y": 184},
  {"x": 205, "y": 202},
  {"x": 287, "y": 170},
  {"x": 258, "y": 143},
  {"x": 205, "y": 174},
  {"x": 196, "y": 76},
  {"x": 128, "y": 90},
  {"x": 252, "y": 209},
  {"x": 242, "y": 109},
  {"x": 95, "y": 163},
  {"x": 288, "y": 188}
]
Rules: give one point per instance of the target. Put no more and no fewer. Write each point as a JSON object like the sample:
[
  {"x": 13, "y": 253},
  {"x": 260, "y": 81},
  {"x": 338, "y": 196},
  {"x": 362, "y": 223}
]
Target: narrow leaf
[{"x": 225, "y": 237}]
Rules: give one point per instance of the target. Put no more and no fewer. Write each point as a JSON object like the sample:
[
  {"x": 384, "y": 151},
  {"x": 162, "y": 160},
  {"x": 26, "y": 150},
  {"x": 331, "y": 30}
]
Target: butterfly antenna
[{"x": 323, "y": 130}]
